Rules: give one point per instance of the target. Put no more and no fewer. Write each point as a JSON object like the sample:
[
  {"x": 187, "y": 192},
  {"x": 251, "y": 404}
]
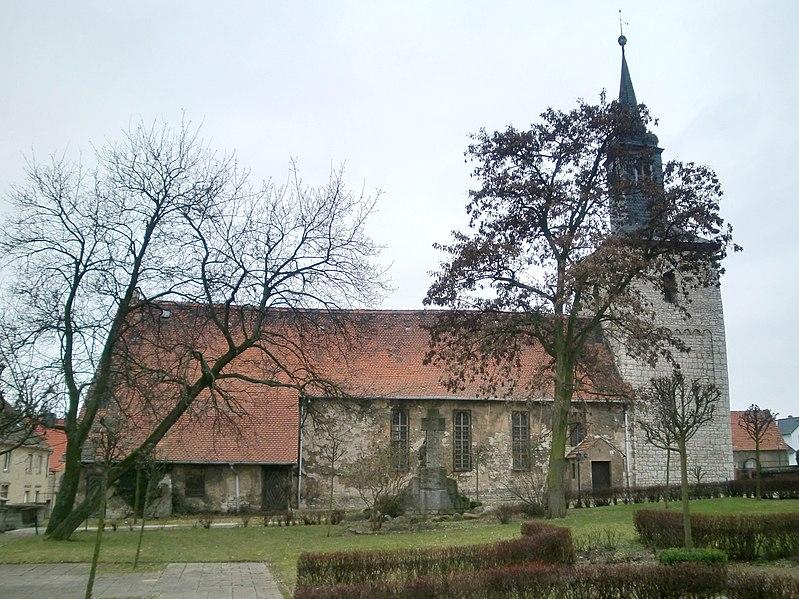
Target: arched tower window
[{"x": 670, "y": 287}]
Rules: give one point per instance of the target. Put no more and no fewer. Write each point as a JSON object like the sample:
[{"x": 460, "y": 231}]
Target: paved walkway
[{"x": 176, "y": 581}]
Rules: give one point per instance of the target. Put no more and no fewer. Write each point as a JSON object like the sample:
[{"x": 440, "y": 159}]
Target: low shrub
[
  {"x": 679, "y": 555},
  {"x": 504, "y": 512},
  {"x": 549, "y": 544},
  {"x": 392, "y": 506},
  {"x": 206, "y": 520},
  {"x": 336, "y": 517},
  {"x": 543, "y": 581},
  {"x": 742, "y": 537},
  {"x": 757, "y": 585}
]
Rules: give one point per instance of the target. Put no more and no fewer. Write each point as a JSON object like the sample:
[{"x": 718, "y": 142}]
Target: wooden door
[
  {"x": 600, "y": 475},
  {"x": 276, "y": 482}
]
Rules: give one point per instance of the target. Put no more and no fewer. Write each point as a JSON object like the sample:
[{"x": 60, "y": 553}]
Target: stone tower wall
[{"x": 703, "y": 332}]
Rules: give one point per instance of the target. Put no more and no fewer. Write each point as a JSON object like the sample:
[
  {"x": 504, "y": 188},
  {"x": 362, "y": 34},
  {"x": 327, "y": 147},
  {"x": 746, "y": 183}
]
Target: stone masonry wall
[
  {"x": 703, "y": 332},
  {"x": 365, "y": 422}
]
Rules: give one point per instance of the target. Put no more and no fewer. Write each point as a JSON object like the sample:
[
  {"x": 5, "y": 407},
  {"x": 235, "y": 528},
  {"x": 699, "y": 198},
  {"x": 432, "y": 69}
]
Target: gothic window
[
  {"x": 29, "y": 464},
  {"x": 4, "y": 491},
  {"x": 6, "y": 461},
  {"x": 670, "y": 287},
  {"x": 39, "y": 462},
  {"x": 576, "y": 433},
  {"x": 462, "y": 441},
  {"x": 195, "y": 482},
  {"x": 574, "y": 470},
  {"x": 399, "y": 439},
  {"x": 521, "y": 440}
]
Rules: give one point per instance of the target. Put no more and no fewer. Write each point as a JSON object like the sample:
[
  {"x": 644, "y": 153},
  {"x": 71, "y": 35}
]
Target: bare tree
[
  {"x": 553, "y": 261},
  {"x": 377, "y": 480},
  {"x": 662, "y": 437},
  {"x": 529, "y": 486},
  {"x": 163, "y": 225},
  {"x": 757, "y": 422},
  {"x": 107, "y": 445},
  {"x": 336, "y": 437},
  {"x": 698, "y": 473},
  {"x": 681, "y": 408}
]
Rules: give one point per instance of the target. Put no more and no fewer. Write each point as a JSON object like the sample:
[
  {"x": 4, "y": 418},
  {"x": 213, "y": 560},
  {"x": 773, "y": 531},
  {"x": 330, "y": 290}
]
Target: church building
[{"x": 288, "y": 449}]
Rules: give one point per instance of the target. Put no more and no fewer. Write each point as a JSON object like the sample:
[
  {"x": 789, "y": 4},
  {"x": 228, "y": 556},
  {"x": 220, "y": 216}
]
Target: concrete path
[{"x": 176, "y": 581}]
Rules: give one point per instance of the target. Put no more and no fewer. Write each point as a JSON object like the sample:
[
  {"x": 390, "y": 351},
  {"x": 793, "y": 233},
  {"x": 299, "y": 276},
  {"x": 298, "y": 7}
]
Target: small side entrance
[
  {"x": 276, "y": 487},
  {"x": 600, "y": 475}
]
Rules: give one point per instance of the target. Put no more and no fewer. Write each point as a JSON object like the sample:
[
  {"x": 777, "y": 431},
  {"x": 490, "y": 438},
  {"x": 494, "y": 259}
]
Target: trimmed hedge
[
  {"x": 544, "y": 581},
  {"x": 550, "y": 544},
  {"x": 742, "y": 537},
  {"x": 773, "y": 488},
  {"x": 756, "y": 585},
  {"x": 679, "y": 555}
]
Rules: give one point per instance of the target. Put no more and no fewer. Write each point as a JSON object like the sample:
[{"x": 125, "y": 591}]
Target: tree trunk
[
  {"x": 668, "y": 470},
  {"x": 686, "y": 507},
  {"x": 147, "y": 494},
  {"x": 758, "y": 493},
  {"x": 136, "y": 496},
  {"x": 556, "y": 482},
  {"x": 330, "y": 503},
  {"x": 73, "y": 519},
  {"x": 70, "y": 480},
  {"x": 98, "y": 539}
]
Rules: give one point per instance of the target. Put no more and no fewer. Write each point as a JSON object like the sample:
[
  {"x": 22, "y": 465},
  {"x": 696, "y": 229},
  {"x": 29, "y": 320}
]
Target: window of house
[
  {"x": 36, "y": 495},
  {"x": 462, "y": 441},
  {"x": 29, "y": 466},
  {"x": 576, "y": 433},
  {"x": 39, "y": 462},
  {"x": 4, "y": 491},
  {"x": 6, "y": 461},
  {"x": 520, "y": 423},
  {"x": 26, "y": 497},
  {"x": 670, "y": 287},
  {"x": 195, "y": 482},
  {"x": 399, "y": 439},
  {"x": 574, "y": 470}
]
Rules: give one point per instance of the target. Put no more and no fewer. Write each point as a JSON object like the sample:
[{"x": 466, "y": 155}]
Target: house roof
[
  {"x": 788, "y": 425},
  {"x": 56, "y": 440},
  {"x": 383, "y": 357},
  {"x": 588, "y": 443},
  {"x": 741, "y": 441}
]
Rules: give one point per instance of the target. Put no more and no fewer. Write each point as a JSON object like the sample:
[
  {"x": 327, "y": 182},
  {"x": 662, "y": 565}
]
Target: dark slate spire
[{"x": 626, "y": 91}]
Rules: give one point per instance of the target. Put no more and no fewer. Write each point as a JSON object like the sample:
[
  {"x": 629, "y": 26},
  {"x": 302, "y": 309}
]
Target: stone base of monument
[{"x": 433, "y": 492}]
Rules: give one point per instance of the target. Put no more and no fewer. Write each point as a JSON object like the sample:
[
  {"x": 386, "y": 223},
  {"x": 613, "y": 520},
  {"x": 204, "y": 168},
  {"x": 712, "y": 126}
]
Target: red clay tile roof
[
  {"x": 741, "y": 441},
  {"x": 56, "y": 440},
  {"x": 385, "y": 360}
]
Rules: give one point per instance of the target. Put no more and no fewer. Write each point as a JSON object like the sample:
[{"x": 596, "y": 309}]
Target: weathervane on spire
[{"x": 622, "y": 39}]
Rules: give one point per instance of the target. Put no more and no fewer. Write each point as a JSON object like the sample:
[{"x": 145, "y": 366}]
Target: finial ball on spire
[{"x": 622, "y": 40}]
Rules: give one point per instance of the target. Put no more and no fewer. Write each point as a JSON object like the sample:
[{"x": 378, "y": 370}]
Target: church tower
[{"x": 638, "y": 156}]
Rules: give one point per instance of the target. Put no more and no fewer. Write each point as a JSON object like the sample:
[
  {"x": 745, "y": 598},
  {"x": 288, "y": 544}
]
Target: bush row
[
  {"x": 550, "y": 544},
  {"x": 547, "y": 581},
  {"x": 743, "y": 537},
  {"x": 706, "y": 556},
  {"x": 772, "y": 488}
]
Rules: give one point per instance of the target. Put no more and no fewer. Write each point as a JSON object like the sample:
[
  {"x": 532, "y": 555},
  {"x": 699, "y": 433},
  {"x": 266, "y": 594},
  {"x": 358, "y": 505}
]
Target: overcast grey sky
[{"x": 393, "y": 88}]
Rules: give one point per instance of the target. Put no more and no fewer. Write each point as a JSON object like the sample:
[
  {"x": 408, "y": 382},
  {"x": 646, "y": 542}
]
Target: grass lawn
[{"x": 280, "y": 547}]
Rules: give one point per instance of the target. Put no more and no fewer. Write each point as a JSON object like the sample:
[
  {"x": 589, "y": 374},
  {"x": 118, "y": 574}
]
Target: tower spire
[{"x": 626, "y": 91}]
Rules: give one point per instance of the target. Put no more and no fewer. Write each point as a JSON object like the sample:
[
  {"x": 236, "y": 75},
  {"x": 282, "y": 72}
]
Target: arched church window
[
  {"x": 670, "y": 287},
  {"x": 576, "y": 433}
]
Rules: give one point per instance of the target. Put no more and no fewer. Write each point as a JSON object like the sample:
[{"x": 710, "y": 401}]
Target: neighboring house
[
  {"x": 773, "y": 450},
  {"x": 23, "y": 482},
  {"x": 56, "y": 440},
  {"x": 789, "y": 429}
]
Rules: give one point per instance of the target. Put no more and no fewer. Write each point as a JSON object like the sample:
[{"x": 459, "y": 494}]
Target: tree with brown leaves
[
  {"x": 571, "y": 223},
  {"x": 756, "y": 422}
]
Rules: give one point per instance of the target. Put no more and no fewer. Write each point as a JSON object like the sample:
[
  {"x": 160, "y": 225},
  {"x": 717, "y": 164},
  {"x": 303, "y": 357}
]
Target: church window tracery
[
  {"x": 399, "y": 439},
  {"x": 462, "y": 441},
  {"x": 521, "y": 440}
]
